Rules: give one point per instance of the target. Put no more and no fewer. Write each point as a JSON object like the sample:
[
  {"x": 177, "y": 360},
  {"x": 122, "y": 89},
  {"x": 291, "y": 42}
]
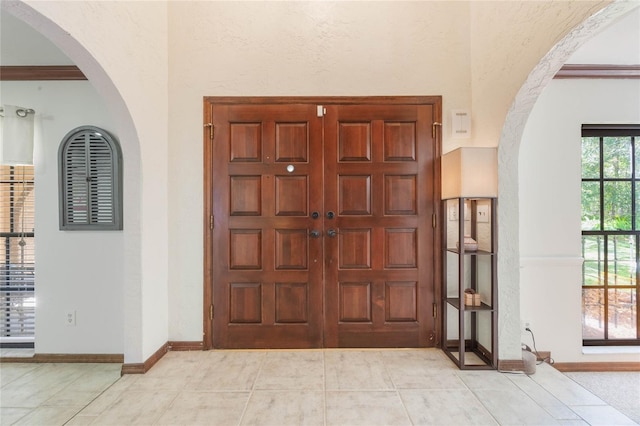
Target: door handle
[
  {"x": 331, "y": 233},
  {"x": 315, "y": 215},
  {"x": 315, "y": 234},
  {"x": 331, "y": 215}
]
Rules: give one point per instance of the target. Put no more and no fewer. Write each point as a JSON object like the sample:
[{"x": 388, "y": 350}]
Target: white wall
[
  {"x": 618, "y": 43},
  {"x": 75, "y": 271},
  {"x": 122, "y": 48},
  {"x": 549, "y": 187}
]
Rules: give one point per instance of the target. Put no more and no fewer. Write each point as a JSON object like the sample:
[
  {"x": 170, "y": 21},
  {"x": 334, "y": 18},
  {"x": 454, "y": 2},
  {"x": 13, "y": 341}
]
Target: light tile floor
[{"x": 311, "y": 387}]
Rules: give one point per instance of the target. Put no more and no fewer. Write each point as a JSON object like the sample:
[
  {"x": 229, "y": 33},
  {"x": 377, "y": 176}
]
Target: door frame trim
[{"x": 208, "y": 151}]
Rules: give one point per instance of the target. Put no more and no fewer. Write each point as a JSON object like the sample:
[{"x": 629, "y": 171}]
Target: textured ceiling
[{"x": 22, "y": 45}]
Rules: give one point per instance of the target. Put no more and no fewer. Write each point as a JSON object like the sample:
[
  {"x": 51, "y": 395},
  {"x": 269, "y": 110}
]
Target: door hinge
[
  {"x": 211, "y": 225},
  {"x": 211, "y": 129},
  {"x": 435, "y": 310},
  {"x": 433, "y": 220},
  {"x": 211, "y": 312},
  {"x": 433, "y": 128}
]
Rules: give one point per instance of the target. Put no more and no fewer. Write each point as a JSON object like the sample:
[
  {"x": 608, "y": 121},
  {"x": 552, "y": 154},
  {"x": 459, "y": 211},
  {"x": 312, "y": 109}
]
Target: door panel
[
  {"x": 362, "y": 176},
  {"x": 267, "y": 270},
  {"x": 379, "y": 162}
]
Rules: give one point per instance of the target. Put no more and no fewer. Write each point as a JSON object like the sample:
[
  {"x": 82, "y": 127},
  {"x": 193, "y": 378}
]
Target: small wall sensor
[{"x": 460, "y": 123}]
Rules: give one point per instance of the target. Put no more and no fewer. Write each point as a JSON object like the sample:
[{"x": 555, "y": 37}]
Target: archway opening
[
  {"x": 508, "y": 159},
  {"x": 77, "y": 255}
]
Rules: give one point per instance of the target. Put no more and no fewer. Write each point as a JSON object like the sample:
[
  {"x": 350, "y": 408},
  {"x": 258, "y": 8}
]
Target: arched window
[{"x": 90, "y": 167}]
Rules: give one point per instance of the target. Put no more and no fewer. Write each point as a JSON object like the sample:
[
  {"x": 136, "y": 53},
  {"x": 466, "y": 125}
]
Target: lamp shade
[
  {"x": 16, "y": 135},
  {"x": 470, "y": 172}
]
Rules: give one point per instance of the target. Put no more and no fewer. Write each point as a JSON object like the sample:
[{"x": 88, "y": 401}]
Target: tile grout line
[
  {"x": 24, "y": 373},
  {"x": 550, "y": 394},
  {"x": 324, "y": 387},
  {"x": 168, "y": 406},
  {"x": 166, "y": 409},
  {"x": 31, "y": 410},
  {"x": 95, "y": 398},
  {"x": 588, "y": 390},
  {"x": 476, "y": 397},
  {"x": 253, "y": 387},
  {"x": 395, "y": 388},
  {"x": 404, "y": 407},
  {"x": 571, "y": 406},
  {"x": 607, "y": 404}
]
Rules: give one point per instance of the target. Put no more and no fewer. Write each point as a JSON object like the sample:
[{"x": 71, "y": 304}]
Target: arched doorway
[
  {"x": 508, "y": 152},
  {"x": 127, "y": 302}
]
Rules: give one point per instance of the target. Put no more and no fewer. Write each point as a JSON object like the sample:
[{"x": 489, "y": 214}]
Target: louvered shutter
[
  {"x": 90, "y": 180},
  {"x": 17, "y": 255}
]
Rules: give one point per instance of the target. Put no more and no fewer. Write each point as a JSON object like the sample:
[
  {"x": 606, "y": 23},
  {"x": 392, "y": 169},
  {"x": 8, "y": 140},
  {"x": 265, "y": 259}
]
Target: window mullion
[
  {"x": 637, "y": 286},
  {"x": 601, "y": 165},
  {"x": 637, "y": 236},
  {"x": 605, "y": 301},
  {"x": 633, "y": 184}
]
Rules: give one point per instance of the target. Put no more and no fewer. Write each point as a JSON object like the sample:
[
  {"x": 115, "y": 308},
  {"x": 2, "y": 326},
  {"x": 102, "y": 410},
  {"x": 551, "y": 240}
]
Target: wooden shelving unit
[{"x": 470, "y": 332}]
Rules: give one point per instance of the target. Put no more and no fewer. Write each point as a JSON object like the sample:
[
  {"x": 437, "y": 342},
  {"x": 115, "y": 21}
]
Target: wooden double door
[{"x": 321, "y": 222}]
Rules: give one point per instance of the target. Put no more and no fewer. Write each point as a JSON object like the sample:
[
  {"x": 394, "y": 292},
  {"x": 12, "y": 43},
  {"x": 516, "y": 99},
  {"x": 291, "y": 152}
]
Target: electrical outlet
[
  {"x": 482, "y": 214},
  {"x": 70, "y": 318},
  {"x": 524, "y": 324},
  {"x": 453, "y": 213}
]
